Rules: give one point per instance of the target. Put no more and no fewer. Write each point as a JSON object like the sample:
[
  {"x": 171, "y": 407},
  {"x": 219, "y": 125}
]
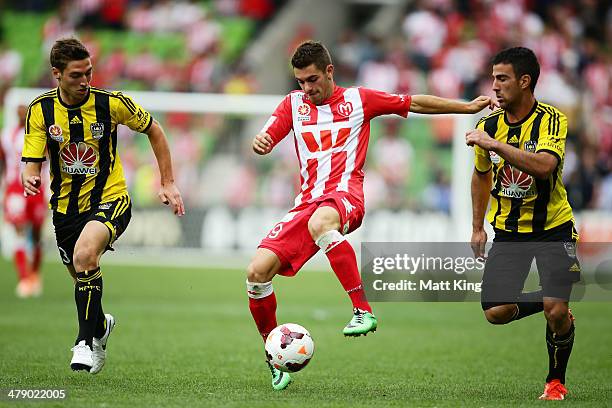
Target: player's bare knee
[
  {"x": 85, "y": 258},
  {"x": 258, "y": 273},
  {"x": 318, "y": 226},
  {"x": 556, "y": 313},
  {"x": 499, "y": 314}
]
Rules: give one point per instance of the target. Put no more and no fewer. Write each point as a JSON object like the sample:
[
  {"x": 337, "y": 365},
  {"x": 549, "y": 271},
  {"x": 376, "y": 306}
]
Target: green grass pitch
[{"x": 184, "y": 338}]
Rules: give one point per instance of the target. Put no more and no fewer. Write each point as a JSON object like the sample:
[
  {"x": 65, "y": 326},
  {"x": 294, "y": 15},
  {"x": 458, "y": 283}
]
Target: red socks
[
  {"x": 343, "y": 261},
  {"x": 36, "y": 258},
  {"x": 262, "y": 304},
  {"x": 21, "y": 263}
]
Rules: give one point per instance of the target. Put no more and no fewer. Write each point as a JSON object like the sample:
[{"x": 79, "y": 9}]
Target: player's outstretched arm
[
  {"x": 168, "y": 192},
  {"x": 263, "y": 143},
  {"x": 434, "y": 104},
  {"x": 30, "y": 178},
  {"x": 480, "y": 189}
]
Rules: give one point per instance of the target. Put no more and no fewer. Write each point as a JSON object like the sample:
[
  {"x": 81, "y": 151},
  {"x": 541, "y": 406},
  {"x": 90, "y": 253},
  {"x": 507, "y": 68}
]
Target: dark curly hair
[{"x": 523, "y": 61}]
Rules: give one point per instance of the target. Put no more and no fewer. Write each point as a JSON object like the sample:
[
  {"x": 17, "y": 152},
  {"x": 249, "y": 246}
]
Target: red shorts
[
  {"x": 20, "y": 210},
  {"x": 290, "y": 239}
]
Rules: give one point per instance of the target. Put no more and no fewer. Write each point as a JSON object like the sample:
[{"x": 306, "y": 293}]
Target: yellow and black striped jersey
[
  {"x": 522, "y": 203},
  {"x": 81, "y": 141}
]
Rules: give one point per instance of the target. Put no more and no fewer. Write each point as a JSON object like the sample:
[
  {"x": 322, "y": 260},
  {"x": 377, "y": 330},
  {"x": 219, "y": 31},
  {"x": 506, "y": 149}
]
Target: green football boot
[
  {"x": 280, "y": 380},
  {"x": 362, "y": 323}
]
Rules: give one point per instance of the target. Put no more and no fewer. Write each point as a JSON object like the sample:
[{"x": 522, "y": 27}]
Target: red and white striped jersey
[
  {"x": 11, "y": 143},
  {"x": 331, "y": 139}
]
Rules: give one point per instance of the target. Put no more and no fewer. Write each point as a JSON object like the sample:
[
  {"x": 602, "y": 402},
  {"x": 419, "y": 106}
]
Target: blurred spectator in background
[
  {"x": 60, "y": 24},
  {"x": 240, "y": 81},
  {"x": 203, "y": 35},
  {"x": 25, "y": 214},
  {"x": 581, "y": 191},
  {"x": 10, "y": 66},
  {"x": 426, "y": 32},
  {"x": 438, "y": 46},
  {"x": 437, "y": 194},
  {"x": 379, "y": 73},
  {"x": 393, "y": 155}
]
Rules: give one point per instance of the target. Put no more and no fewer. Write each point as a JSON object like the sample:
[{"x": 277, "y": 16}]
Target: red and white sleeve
[
  {"x": 280, "y": 123},
  {"x": 377, "y": 103}
]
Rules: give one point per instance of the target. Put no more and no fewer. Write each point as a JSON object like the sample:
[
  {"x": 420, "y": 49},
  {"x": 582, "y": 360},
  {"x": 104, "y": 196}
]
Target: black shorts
[
  {"x": 115, "y": 215},
  {"x": 512, "y": 254}
]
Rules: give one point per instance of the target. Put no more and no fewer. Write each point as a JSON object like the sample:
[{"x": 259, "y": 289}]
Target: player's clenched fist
[
  {"x": 262, "y": 143},
  {"x": 477, "y": 137}
]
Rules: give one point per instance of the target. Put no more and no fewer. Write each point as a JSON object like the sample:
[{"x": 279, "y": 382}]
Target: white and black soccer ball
[{"x": 289, "y": 347}]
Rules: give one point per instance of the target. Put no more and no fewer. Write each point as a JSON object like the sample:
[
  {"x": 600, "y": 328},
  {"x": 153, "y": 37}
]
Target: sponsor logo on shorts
[
  {"x": 346, "y": 227},
  {"x": 55, "y": 133},
  {"x": 105, "y": 206},
  {"x": 348, "y": 207},
  {"x": 570, "y": 248},
  {"x": 79, "y": 158}
]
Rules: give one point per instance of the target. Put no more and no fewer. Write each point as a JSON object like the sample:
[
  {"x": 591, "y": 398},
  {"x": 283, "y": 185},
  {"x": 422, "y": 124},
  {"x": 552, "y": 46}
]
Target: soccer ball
[{"x": 289, "y": 347}]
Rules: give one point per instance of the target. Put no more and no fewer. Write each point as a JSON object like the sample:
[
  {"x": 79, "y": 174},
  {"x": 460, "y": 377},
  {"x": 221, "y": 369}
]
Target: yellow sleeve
[
  {"x": 482, "y": 161},
  {"x": 129, "y": 113},
  {"x": 35, "y": 141},
  {"x": 553, "y": 132}
]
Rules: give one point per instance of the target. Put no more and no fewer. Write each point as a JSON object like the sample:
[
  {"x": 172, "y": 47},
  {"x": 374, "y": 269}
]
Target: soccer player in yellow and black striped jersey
[
  {"x": 519, "y": 152},
  {"x": 75, "y": 125}
]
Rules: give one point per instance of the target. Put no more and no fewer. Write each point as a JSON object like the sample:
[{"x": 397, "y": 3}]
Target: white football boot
[
  {"x": 81, "y": 357},
  {"x": 99, "y": 345}
]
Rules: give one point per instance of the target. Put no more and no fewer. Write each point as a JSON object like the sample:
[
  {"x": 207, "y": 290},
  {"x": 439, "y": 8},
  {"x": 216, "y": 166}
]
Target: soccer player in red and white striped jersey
[
  {"x": 22, "y": 212},
  {"x": 331, "y": 129}
]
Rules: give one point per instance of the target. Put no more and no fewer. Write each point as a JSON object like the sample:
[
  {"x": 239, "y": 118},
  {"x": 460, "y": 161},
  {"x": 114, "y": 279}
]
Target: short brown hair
[
  {"x": 523, "y": 61},
  {"x": 311, "y": 52},
  {"x": 65, "y": 50}
]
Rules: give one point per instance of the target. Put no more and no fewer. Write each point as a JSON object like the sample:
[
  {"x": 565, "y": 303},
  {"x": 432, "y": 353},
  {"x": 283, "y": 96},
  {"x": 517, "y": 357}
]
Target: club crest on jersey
[
  {"x": 55, "y": 133},
  {"x": 79, "y": 158},
  {"x": 303, "y": 112},
  {"x": 515, "y": 183},
  {"x": 97, "y": 130},
  {"x": 530, "y": 146},
  {"x": 495, "y": 159},
  {"x": 345, "y": 109}
]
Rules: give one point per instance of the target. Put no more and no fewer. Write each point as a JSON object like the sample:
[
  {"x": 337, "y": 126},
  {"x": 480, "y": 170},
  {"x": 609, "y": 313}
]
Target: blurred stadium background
[
  {"x": 232, "y": 57},
  {"x": 218, "y": 68}
]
